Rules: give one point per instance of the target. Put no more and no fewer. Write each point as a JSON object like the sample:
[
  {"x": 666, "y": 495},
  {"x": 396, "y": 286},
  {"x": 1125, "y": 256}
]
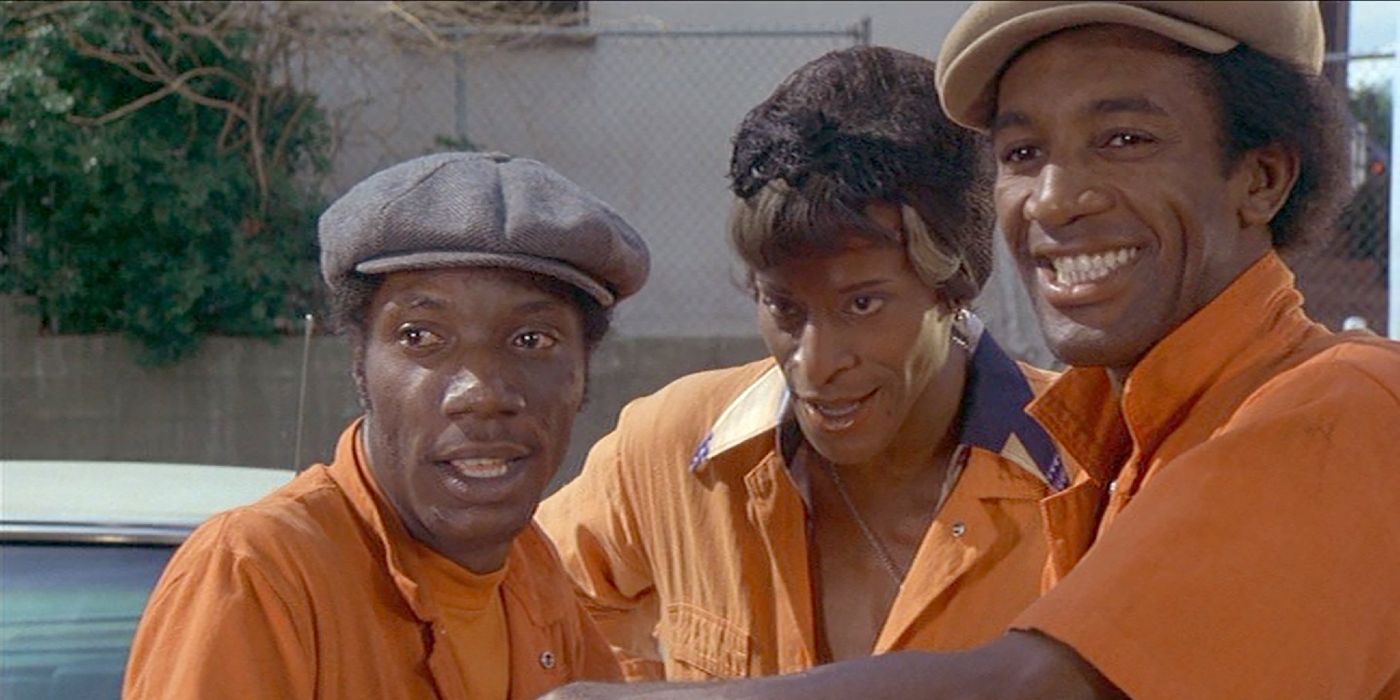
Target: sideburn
[{"x": 357, "y": 367}]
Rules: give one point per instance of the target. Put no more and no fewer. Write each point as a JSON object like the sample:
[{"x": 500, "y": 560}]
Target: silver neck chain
[
  {"x": 950, "y": 476},
  {"x": 896, "y": 572}
]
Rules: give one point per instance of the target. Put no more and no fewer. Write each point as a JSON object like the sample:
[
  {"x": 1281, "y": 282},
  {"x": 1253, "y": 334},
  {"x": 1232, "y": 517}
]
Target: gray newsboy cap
[{"x": 481, "y": 210}]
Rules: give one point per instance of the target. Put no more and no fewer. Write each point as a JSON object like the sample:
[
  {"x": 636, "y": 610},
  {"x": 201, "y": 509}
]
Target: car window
[{"x": 69, "y": 614}]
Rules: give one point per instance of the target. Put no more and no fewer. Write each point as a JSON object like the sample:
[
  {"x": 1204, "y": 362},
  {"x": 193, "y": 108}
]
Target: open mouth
[
  {"x": 837, "y": 414},
  {"x": 1088, "y": 278},
  {"x": 479, "y": 468},
  {"x": 1071, "y": 270},
  {"x": 479, "y": 465}
]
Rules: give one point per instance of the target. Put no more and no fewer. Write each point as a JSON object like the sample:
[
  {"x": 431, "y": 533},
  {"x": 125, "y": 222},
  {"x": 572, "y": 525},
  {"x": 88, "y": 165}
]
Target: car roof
[{"x": 127, "y": 493}]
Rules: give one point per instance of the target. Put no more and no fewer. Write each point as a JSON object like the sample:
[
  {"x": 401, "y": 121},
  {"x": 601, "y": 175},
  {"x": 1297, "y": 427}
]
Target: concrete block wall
[{"x": 235, "y": 402}]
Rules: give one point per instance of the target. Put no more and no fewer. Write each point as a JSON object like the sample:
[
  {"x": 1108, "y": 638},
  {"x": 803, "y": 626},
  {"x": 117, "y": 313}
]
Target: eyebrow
[
  {"x": 853, "y": 287},
  {"x": 864, "y": 284},
  {"x": 1008, "y": 119},
  {"x": 546, "y": 304},
  {"x": 1140, "y": 105},
  {"x": 419, "y": 301},
  {"x": 1112, "y": 105},
  {"x": 431, "y": 303}
]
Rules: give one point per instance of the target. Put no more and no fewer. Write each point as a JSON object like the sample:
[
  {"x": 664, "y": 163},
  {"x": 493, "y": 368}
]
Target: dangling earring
[{"x": 959, "y": 330}]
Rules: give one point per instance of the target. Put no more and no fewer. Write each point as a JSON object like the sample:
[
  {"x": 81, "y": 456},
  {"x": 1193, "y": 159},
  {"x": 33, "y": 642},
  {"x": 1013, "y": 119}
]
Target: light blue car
[{"x": 81, "y": 546}]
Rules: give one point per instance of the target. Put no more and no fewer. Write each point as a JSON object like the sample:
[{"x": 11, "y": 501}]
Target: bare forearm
[
  {"x": 900, "y": 675},
  {"x": 1023, "y": 666}
]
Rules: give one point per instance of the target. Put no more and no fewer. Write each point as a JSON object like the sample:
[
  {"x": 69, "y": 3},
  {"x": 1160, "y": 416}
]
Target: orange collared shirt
[
  {"x": 1249, "y": 489},
  {"x": 686, "y": 527},
  {"x": 313, "y": 592}
]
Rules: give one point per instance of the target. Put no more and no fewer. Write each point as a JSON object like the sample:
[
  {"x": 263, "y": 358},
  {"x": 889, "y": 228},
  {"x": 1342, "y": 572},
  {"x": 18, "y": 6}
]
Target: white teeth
[
  {"x": 1078, "y": 269},
  {"x": 488, "y": 468},
  {"x": 837, "y": 411}
]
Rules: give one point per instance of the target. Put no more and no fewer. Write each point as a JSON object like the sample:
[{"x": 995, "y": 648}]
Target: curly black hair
[
  {"x": 1262, "y": 100},
  {"x": 853, "y": 127}
]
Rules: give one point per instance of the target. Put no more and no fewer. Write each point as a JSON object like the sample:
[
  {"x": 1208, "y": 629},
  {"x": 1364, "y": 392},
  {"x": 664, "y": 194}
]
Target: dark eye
[
  {"x": 779, "y": 308},
  {"x": 1020, "y": 154},
  {"x": 866, "y": 305},
  {"x": 418, "y": 337},
  {"x": 534, "y": 340},
  {"x": 1126, "y": 139}
]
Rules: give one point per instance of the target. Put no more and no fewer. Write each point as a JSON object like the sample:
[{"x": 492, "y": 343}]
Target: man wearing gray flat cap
[
  {"x": 1232, "y": 529},
  {"x": 473, "y": 288}
]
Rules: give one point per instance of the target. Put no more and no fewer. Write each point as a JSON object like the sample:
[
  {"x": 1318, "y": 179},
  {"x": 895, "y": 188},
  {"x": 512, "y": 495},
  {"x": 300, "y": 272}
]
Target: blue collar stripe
[{"x": 994, "y": 403}]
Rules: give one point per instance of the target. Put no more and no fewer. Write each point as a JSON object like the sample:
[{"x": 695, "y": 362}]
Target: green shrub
[{"x": 165, "y": 222}]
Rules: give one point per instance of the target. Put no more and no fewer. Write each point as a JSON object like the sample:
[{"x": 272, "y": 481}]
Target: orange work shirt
[
  {"x": 688, "y": 527},
  {"x": 314, "y": 592},
  {"x": 1249, "y": 485}
]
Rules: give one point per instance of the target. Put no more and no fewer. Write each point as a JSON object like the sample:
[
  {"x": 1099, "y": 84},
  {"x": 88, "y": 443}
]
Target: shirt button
[
  {"x": 959, "y": 528},
  {"x": 1113, "y": 486},
  {"x": 547, "y": 660}
]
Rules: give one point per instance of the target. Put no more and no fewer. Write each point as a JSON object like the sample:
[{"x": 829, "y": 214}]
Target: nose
[
  {"x": 1063, "y": 194},
  {"x": 483, "y": 393},
  {"x": 823, "y": 352}
]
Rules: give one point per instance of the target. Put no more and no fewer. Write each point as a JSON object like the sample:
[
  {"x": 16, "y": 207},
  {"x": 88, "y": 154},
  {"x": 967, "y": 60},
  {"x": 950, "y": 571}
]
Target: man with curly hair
[{"x": 871, "y": 486}]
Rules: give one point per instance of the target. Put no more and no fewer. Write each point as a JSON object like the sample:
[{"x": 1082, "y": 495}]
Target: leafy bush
[{"x": 165, "y": 217}]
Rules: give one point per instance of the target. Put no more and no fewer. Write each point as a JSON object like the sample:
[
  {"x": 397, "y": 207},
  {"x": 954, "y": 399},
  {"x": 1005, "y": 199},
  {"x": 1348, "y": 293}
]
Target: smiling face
[
  {"x": 862, "y": 343},
  {"x": 1112, "y": 194},
  {"x": 474, "y": 376}
]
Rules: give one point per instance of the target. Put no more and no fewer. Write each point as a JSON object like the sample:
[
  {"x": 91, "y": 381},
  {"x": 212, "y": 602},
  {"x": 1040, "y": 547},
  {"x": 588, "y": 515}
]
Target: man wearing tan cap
[
  {"x": 473, "y": 288},
  {"x": 1233, "y": 529}
]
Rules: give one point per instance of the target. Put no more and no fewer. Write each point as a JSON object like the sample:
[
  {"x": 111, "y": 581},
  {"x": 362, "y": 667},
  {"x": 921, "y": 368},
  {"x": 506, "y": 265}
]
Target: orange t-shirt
[
  {"x": 686, "y": 532},
  {"x": 315, "y": 592},
  {"x": 1249, "y": 546},
  {"x": 475, "y": 611}
]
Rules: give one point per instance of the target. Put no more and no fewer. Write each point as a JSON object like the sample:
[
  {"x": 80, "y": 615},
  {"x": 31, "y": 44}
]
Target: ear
[{"x": 1268, "y": 174}]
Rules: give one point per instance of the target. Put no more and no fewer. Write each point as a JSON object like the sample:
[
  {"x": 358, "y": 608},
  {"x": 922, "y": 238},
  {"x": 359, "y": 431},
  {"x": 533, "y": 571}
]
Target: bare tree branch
[
  {"x": 169, "y": 40},
  {"x": 174, "y": 86}
]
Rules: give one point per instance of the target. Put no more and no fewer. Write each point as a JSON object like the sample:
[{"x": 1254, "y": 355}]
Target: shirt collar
[
  {"x": 351, "y": 472},
  {"x": 1258, "y": 315},
  {"x": 993, "y": 416}
]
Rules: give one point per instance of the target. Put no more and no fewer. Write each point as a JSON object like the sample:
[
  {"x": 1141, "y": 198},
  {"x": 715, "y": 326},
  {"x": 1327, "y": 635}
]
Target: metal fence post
[
  {"x": 459, "y": 95},
  {"x": 1393, "y": 299}
]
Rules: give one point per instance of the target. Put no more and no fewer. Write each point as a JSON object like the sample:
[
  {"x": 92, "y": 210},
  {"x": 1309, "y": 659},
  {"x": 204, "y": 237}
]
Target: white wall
[
  {"x": 917, "y": 27},
  {"x": 644, "y": 123}
]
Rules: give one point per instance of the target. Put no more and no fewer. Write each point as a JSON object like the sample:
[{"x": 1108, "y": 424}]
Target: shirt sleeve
[
  {"x": 217, "y": 626},
  {"x": 594, "y": 528},
  {"x": 597, "y": 660},
  {"x": 1261, "y": 563}
]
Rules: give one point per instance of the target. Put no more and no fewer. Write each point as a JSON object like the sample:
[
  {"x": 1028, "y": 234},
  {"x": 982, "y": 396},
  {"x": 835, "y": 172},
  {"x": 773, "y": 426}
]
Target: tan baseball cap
[{"x": 990, "y": 34}]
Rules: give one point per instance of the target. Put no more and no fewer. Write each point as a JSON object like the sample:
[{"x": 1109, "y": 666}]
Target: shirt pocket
[{"x": 700, "y": 645}]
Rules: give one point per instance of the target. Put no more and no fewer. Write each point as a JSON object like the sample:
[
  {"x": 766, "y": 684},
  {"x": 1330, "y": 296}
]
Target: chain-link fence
[
  {"x": 1343, "y": 276},
  {"x": 642, "y": 117}
]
